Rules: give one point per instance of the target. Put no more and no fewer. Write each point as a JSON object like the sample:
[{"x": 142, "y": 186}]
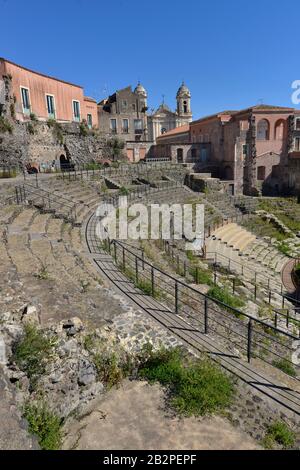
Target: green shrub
[
  {"x": 57, "y": 130},
  {"x": 108, "y": 369},
  {"x": 30, "y": 128},
  {"x": 93, "y": 166},
  {"x": 83, "y": 129},
  {"x": 44, "y": 424},
  {"x": 197, "y": 387},
  {"x": 279, "y": 433},
  {"x": 124, "y": 191},
  {"x": 285, "y": 366},
  {"x": 223, "y": 295},
  {"x": 111, "y": 368},
  {"x": 283, "y": 248},
  {"x": 32, "y": 352},
  {"x": 201, "y": 276},
  {"x": 5, "y": 125},
  {"x": 33, "y": 117},
  {"x": 12, "y": 110},
  {"x": 163, "y": 366}
]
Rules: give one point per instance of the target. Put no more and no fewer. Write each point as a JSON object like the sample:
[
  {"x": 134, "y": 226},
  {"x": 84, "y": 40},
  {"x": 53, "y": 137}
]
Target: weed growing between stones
[
  {"x": 123, "y": 191},
  {"x": 279, "y": 433},
  {"x": 201, "y": 276},
  {"x": 283, "y": 248},
  {"x": 56, "y": 129},
  {"x": 196, "y": 386},
  {"x": 223, "y": 295},
  {"x": 44, "y": 424},
  {"x": 112, "y": 367},
  {"x": 32, "y": 352},
  {"x": 43, "y": 274},
  {"x": 285, "y": 366},
  {"x": 5, "y": 125}
]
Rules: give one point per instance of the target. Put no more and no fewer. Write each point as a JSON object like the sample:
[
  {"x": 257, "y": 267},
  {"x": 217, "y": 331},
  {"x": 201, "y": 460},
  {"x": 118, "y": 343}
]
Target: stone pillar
[{"x": 250, "y": 161}]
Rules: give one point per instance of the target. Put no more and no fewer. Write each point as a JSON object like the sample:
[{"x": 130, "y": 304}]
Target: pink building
[
  {"x": 247, "y": 147},
  {"x": 47, "y": 97}
]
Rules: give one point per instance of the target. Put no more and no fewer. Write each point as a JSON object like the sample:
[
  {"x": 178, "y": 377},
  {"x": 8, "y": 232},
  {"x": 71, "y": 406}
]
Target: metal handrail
[{"x": 204, "y": 296}]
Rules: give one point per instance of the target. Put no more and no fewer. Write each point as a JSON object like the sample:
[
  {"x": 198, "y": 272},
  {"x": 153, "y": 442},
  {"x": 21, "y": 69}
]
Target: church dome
[
  {"x": 140, "y": 90},
  {"x": 183, "y": 91}
]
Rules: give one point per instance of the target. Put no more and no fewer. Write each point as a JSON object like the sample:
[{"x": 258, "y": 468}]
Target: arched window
[
  {"x": 185, "y": 107},
  {"x": 163, "y": 130},
  {"x": 279, "y": 129},
  {"x": 263, "y": 130},
  {"x": 261, "y": 173}
]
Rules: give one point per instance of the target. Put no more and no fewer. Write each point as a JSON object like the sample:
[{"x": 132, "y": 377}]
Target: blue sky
[{"x": 231, "y": 54}]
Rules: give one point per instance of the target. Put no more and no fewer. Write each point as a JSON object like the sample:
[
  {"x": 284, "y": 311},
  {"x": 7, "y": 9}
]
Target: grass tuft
[
  {"x": 44, "y": 424},
  {"x": 279, "y": 433},
  {"x": 32, "y": 352},
  {"x": 196, "y": 387}
]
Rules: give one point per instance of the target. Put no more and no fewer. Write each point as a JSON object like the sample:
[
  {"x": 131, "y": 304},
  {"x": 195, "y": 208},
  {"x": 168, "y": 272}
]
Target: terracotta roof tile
[{"x": 177, "y": 130}]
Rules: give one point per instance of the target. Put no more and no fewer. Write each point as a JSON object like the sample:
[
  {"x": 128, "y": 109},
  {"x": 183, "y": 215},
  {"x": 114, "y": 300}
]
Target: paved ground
[{"x": 134, "y": 417}]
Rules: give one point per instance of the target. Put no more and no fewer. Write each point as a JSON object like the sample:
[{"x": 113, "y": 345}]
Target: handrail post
[
  {"x": 136, "y": 270},
  {"x": 17, "y": 194},
  {"x": 152, "y": 281},
  {"x": 115, "y": 251},
  {"x": 176, "y": 297},
  {"x": 143, "y": 260},
  {"x": 205, "y": 316},
  {"x": 124, "y": 261},
  {"x": 249, "y": 344}
]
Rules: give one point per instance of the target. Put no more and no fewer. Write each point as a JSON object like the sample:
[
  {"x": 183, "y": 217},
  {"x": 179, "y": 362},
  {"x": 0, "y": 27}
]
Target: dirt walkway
[{"x": 134, "y": 417}]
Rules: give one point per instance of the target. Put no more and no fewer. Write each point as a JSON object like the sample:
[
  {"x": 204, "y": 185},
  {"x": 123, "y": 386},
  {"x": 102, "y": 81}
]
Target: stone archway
[{"x": 65, "y": 164}]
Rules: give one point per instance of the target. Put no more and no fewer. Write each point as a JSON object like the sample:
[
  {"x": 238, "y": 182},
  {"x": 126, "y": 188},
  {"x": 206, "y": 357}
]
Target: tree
[{"x": 113, "y": 148}]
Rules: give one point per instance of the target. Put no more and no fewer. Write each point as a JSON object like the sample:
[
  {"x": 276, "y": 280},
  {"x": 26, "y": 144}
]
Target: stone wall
[{"x": 38, "y": 143}]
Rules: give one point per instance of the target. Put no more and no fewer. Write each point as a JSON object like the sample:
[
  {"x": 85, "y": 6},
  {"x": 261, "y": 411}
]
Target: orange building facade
[{"x": 47, "y": 97}]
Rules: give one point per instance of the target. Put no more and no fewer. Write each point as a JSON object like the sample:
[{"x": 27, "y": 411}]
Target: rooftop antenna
[
  {"x": 260, "y": 101},
  {"x": 105, "y": 90},
  {"x": 163, "y": 99}
]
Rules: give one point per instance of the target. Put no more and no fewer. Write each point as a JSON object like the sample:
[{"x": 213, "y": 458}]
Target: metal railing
[
  {"x": 46, "y": 201},
  {"x": 240, "y": 331},
  {"x": 250, "y": 336},
  {"x": 254, "y": 277}
]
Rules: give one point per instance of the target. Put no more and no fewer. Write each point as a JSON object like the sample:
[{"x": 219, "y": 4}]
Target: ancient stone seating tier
[
  {"x": 42, "y": 260},
  {"x": 234, "y": 236},
  {"x": 248, "y": 255}
]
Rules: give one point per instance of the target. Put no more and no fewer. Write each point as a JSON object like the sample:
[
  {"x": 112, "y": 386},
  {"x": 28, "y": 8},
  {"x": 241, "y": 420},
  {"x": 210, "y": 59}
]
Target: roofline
[
  {"x": 263, "y": 110},
  {"x": 88, "y": 98},
  {"x": 39, "y": 73},
  {"x": 214, "y": 116},
  {"x": 165, "y": 136},
  {"x": 246, "y": 110}
]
